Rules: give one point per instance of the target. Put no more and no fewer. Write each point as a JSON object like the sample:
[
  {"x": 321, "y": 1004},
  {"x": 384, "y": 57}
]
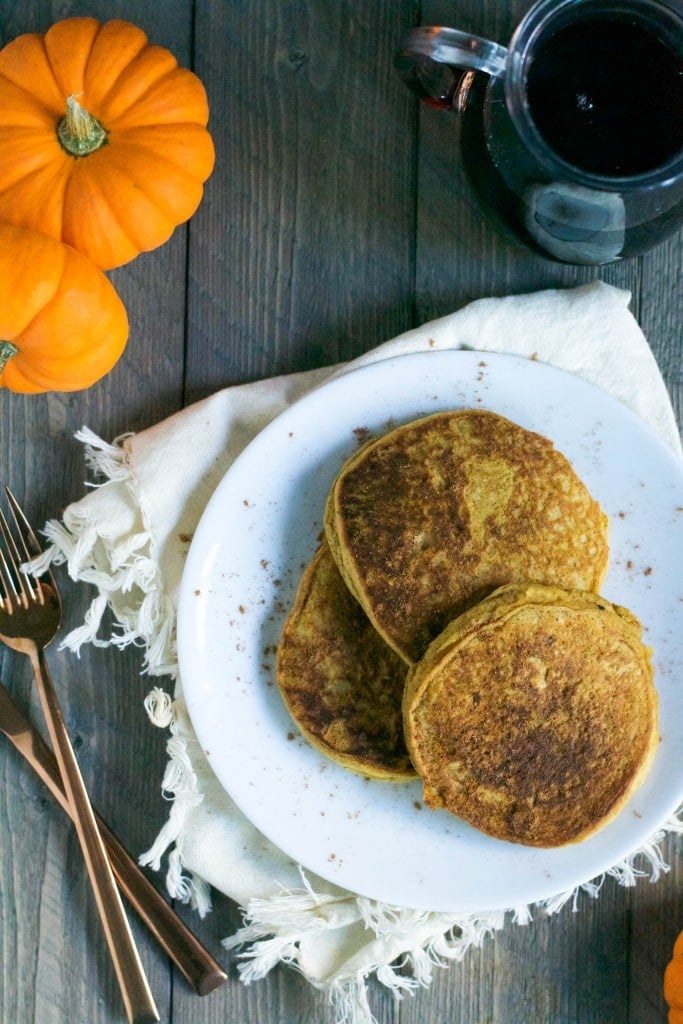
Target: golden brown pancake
[
  {"x": 533, "y": 716},
  {"x": 429, "y": 519},
  {"x": 341, "y": 683}
]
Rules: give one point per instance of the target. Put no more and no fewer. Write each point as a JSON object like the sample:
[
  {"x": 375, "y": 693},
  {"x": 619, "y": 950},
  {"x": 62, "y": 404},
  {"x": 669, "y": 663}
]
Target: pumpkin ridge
[
  {"x": 142, "y": 185},
  {"x": 177, "y": 96},
  {"x": 32, "y": 141},
  {"x": 28, "y": 326},
  {"x": 67, "y": 45},
  {"x": 48, "y": 65},
  {"x": 197, "y": 163},
  {"x": 50, "y": 194},
  {"x": 153, "y": 81},
  {"x": 93, "y": 56},
  {"x": 86, "y": 171},
  {"x": 32, "y": 100},
  {"x": 146, "y": 185},
  {"x": 185, "y": 164},
  {"x": 87, "y": 364},
  {"x": 37, "y": 89}
]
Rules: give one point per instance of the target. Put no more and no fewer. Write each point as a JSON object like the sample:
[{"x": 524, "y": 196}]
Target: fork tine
[
  {"x": 12, "y": 583},
  {"x": 24, "y": 528},
  {"x": 17, "y": 548}
]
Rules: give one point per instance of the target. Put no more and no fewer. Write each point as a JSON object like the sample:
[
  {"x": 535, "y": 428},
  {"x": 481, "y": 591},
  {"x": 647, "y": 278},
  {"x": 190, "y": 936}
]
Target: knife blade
[{"x": 194, "y": 962}]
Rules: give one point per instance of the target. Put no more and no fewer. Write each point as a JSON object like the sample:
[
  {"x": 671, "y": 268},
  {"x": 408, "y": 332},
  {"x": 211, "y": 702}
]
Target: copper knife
[{"x": 195, "y": 963}]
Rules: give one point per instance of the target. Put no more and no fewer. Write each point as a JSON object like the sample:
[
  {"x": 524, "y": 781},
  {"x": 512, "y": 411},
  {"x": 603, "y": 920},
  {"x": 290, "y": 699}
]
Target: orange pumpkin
[
  {"x": 673, "y": 983},
  {"x": 62, "y": 323},
  {"x": 103, "y": 139}
]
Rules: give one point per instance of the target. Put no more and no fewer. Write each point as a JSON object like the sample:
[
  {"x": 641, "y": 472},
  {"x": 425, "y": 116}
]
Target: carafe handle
[{"x": 431, "y": 60}]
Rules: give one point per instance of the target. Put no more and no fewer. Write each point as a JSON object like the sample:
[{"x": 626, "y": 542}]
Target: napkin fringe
[
  {"x": 404, "y": 946},
  {"x": 104, "y": 458},
  {"x": 350, "y": 1003},
  {"x": 180, "y": 787},
  {"x": 128, "y": 581},
  {"x": 126, "y": 576}
]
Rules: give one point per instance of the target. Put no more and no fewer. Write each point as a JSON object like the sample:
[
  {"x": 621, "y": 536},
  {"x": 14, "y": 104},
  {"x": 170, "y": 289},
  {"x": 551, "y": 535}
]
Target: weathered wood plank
[
  {"x": 661, "y": 313},
  {"x": 55, "y": 960},
  {"x": 656, "y": 918},
  {"x": 305, "y": 236}
]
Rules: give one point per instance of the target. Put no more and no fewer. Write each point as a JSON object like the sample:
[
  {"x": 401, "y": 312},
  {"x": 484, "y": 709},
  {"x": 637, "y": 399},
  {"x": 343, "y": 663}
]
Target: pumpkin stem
[
  {"x": 7, "y": 350},
  {"x": 79, "y": 132}
]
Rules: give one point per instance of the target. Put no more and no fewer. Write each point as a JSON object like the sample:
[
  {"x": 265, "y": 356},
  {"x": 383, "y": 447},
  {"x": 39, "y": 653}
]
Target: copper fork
[
  {"x": 30, "y": 615},
  {"x": 191, "y": 958}
]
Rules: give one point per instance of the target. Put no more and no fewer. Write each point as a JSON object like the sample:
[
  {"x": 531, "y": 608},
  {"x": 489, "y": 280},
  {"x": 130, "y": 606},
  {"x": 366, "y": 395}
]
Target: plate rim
[{"x": 343, "y": 379}]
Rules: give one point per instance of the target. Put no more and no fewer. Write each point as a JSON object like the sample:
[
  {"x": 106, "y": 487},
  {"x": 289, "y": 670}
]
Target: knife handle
[{"x": 194, "y": 962}]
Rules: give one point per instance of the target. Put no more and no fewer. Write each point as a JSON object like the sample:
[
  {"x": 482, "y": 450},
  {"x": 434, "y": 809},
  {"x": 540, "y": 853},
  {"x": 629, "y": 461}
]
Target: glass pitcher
[{"x": 571, "y": 137}]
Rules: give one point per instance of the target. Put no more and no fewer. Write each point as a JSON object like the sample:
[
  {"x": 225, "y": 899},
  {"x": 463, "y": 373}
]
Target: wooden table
[{"x": 336, "y": 218}]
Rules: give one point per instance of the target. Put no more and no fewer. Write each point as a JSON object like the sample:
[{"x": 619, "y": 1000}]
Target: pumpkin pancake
[
  {"x": 429, "y": 519},
  {"x": 534, "y": 715},
  {"x": 341, "y": 683}
]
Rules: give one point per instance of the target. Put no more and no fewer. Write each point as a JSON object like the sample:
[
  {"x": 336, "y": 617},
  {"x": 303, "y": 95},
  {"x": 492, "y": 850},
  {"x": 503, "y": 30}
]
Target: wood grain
[{"x": 337, "y": 217}]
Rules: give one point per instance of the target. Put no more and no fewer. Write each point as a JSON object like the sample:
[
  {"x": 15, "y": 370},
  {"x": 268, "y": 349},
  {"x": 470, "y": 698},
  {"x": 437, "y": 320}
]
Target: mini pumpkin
[
  {"x": 673, "y": 983},
  {"x": 103, "y": 138},
  {"x": 62, "y": 323}
]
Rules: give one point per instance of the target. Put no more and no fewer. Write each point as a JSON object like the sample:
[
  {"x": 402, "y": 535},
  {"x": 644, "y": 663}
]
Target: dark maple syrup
[{"x": 606, "y": 94}]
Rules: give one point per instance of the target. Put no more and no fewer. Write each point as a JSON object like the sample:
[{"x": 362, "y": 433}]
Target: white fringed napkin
[{"x": 129, "y": 538}]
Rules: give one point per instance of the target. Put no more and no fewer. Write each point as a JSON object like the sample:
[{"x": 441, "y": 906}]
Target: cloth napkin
[{"x": 129, "y": 537}]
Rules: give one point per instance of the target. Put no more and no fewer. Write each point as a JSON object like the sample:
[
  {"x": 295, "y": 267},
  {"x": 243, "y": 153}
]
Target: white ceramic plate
[{"x": 262, "y": 526}]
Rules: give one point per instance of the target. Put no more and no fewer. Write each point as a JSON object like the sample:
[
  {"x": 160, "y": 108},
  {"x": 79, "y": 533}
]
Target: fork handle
[
  {"x": 191, "y": 958},
  {"x": 137, "y": 998}
]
